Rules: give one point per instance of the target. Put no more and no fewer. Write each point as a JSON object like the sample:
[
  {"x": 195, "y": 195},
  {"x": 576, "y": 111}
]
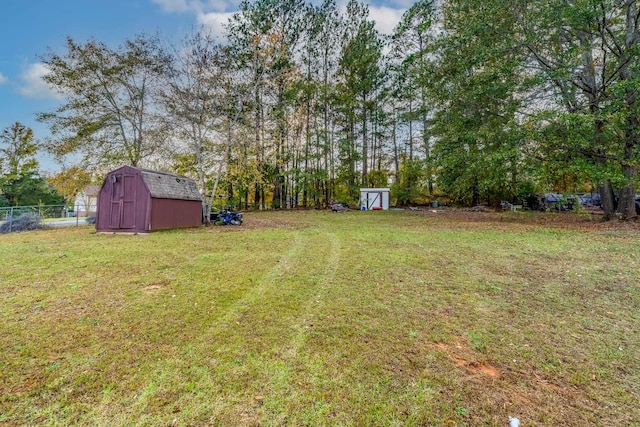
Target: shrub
[{"x": 24, "y": 222}]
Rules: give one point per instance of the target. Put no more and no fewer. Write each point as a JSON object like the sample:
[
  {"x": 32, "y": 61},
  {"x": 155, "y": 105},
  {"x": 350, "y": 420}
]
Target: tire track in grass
[
  {"x": 287, "y": 276},
  {"x": 256, "y": 293},
  {"x": 212, "y": 361},
  {"x": 242, "y": 356},
  {"x": 281, "y": 386},
  {"x": 327, "y": 275}
]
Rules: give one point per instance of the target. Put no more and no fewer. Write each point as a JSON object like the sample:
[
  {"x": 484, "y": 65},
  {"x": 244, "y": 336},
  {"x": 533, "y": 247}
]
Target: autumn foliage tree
[{"x": 70, "y": 181}]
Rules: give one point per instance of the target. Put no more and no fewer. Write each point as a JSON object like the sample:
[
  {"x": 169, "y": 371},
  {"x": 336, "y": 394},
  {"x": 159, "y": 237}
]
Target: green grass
[{"x": 312, "y": 319}]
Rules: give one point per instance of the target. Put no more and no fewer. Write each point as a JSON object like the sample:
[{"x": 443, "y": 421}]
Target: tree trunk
[
  {"x": 627, "y": 201},
  {"x": 607, "y": 200},
  {"x": 410, "y": 130},
  {"x": 475, "y": 193},
  {"x": 305, "y": 180},
  {"x": 352, "y": 157},
  {"x": 223, "y": 162},
  {"x": 256, "y": 197},
  {"x": 394, "y": 138},
  {"x": 365, "y": 144},
  {"x": 627, "y": 205}
]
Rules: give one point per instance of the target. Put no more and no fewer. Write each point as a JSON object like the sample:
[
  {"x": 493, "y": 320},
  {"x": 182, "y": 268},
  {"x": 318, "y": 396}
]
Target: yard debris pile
[
  {"x": 339, "y": 207},
  {"x": 25, "y": 222}
]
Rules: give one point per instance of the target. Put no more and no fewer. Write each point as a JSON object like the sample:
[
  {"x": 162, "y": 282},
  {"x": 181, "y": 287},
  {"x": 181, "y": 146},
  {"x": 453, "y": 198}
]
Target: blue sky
[{"x": 29, "y": 27}]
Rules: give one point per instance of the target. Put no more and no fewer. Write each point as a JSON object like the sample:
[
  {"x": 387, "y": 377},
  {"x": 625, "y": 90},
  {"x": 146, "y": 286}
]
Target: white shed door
[{"x": 374, "y": 200}]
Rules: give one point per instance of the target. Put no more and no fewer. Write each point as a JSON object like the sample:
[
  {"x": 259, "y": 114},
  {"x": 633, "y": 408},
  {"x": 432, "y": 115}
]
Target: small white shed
[{"x": 374, "y": 199}]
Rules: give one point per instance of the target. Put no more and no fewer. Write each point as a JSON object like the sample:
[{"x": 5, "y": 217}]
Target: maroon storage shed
[{"x": 135, "y": 200}]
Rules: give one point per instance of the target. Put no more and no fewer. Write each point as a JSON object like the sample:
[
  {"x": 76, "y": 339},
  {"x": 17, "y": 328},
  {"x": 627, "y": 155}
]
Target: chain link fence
[{"x": 45, "y": 215}]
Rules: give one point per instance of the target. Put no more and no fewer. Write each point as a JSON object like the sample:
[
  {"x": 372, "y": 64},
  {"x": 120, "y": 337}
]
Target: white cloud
[
  {"x": 33, "y": 86},
  {"x": 198, "y": 7},
  {"x": 223, "y": 5},
  {"x": 386, "y": 18},
  {"x": 215, "y": 22},
  {"x": 3, "y": 79},
  {"x": 403, "y": 3},
  {"x": 178, "y": 5}
]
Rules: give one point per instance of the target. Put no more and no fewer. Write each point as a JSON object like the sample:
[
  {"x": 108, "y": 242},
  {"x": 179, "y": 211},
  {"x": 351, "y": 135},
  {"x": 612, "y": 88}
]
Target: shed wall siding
[{"x": 171, "y": 213}]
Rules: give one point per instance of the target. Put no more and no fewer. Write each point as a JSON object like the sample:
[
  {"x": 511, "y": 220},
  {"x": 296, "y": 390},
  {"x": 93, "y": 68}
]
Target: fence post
[
  {"x": 10, "y": 218},
  {"x": 77, "y": 211}
]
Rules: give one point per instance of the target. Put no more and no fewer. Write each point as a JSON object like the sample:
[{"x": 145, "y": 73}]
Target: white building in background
[{"x": 86, "y": 203}]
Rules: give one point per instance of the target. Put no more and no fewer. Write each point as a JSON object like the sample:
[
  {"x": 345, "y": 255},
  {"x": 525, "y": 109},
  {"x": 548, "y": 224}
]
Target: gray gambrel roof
[{"x": 167, "y": 186}]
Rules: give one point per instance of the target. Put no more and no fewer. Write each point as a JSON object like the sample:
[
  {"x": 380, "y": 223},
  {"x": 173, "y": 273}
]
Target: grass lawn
[{"x": 313, "y": 318}]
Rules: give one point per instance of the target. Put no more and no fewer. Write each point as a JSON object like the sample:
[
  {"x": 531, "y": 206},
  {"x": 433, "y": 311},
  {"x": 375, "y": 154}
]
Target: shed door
[
  {"x": 114, "y": 205},
  {"x": 128, "y": 218},
  {"x": 123, "y": 201},
  {"x": 374, "y": 200}
]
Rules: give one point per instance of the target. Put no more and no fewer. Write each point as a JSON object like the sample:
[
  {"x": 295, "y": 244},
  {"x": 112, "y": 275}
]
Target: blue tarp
[{"x": 553, "y": 197}]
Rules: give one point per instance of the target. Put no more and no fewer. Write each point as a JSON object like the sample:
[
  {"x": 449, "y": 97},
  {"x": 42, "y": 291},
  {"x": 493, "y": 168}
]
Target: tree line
[{"x": 469, "y": 101}]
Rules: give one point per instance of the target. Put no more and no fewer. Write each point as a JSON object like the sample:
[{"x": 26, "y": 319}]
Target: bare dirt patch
[
  {"x": 262, "y": 222},
  {"x": 156, "y": 286},
  {"x": 463, "y": 356}
]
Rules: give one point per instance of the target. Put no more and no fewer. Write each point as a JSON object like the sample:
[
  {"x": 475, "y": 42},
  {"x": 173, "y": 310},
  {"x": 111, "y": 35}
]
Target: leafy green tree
[
  {"x": 409, "y": 187},
  {"x": 321, "y": 58},
  {"x": 196, "y": 100},
  {"x": 477, "y": 154},
  {"x": 29, "y": 190},
  {"x": 18, "y": 149},
  {"x": 263, "y": 37},
  {"x": 110, "y": 114},
  {"x": 412, "y": 50},
  {"x": 17, "y": 164},
  {"x": 586, "y": 55},
  {"x": 359, "y": 77}
]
